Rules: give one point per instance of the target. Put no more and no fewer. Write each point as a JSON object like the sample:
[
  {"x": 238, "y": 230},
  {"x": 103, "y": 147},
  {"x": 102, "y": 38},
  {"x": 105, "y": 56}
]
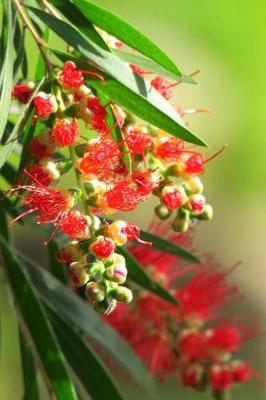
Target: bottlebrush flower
[
  {"x": 102, "y": 248},
  {"x": 71, "y": 252},
  {"x": 45, "y": 105},
  {"x": 226, "y": 337},
  {"x": 169, "y": 148},
  {"x": 121, "y": 232},
  {"x": 43, "y": 146},
  {"x": 138, "y": 140},
  {"x": 79, "y": 273},
  {"x": 65, "y": 132},
  {"x": 241, "y": 371},
  {"x": 162, "y": 86},
  {"x": 193, "y": 345},
  {"x": 221, "y": 377},
  {"x": 46, "y": 172},
  {"x": 23, "y": 91},
  {"x": 194, "y": 165},
  {"x": 71, "y": 77},
  {"x": 94, "y": 113},
  {"x": 76, "y": 225}
]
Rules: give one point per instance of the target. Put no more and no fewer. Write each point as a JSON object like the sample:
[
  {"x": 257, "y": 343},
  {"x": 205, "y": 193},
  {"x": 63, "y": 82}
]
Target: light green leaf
[
  {"x": 7, "y": 74},
  {"x": 140, "y": 276}
]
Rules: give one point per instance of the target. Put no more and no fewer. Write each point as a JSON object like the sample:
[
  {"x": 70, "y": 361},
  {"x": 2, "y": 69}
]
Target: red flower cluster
[{"x": 190, "y": 340}]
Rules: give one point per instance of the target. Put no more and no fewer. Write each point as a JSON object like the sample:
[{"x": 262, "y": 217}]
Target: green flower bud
[
  {"x": 122, "y": 294},
  {"x": 162, "y": 212},
  {"x": 95, "y": 292},
  {"x": 207, "y": 213},
  {"x": 105, "y": 307},
  {"x": 182, "y": 221}
]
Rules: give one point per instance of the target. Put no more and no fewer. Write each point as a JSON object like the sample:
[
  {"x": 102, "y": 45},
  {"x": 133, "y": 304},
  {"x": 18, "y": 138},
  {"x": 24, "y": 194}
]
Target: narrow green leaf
[
  {"x": 6, "y": 89},
  {"x": 58, "y": 270},
  {"x": 165, "y": 246},
  {"x": 140, "y": 276},
  {"x": 150, "y": 66},
  {"x": 31, "y": 391},
  {"x": 9, "y": 173},
  {"x": 40, "y": 66},
  {"x": 7, "y": 148},
  {"x": 59, "y": 298},
  {"x": 115, "y": 130},
  {"x": 139, "y": 98},
  {"x": 36, "y": 320},
  {"x": 21, "y": 59},
  {"x": 116, "y": 26},
  {"x": 87, "y": 366}
]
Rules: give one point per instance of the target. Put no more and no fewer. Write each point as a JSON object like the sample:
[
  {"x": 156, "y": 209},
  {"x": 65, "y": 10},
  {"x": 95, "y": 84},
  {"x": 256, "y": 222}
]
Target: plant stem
[{"x": 39, "y": 41}]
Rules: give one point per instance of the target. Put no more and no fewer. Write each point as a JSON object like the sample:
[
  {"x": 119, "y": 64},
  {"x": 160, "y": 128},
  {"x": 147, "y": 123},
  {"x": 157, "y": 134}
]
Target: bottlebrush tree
[{"x": 98, "y": 107}]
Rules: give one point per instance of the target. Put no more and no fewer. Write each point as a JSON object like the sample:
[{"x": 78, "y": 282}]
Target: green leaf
[
  {"x": 139, "y": 275},
  {"x": 31, "y": 391},
  {"x": 116, "y": 26},
  {"x": 36, "y": 321},
  {"x": 58, "y": 270},
  {"x": 7, "y": 74},
  {"x": 165, "y": 246},
  {"x": 58, "y": 297},
  {"x": 21, "y": 59},
  {"x": 136, "y": 96},
  {"x": 7, "y": 148},
  {"x": 150, "y": 66},
  {"x": 87, "y": 366},
  {"x": 9, "y": 173}
]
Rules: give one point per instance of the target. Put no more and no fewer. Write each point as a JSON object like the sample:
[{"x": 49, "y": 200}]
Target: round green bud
[
  {"x": 105, "y": 307},
  {"x": 207, "y": 213},
  {"x": 122, "y": 294},
  {"x": 162, "y": 212},
  {"x": 95, "y": 292}
]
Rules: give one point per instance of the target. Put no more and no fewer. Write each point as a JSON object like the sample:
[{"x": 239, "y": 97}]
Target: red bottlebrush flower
[
  {"x": 226, "y": 337},
  {"x": 45, "y": 104},
  {"x": 22, "y": 92},
  {"x": 39, "y": 174},
  {"x": 192, "y": 345},
  {"x": 242, "y": 372},
  {"x": 138, "y": 141},
  {"x": 221, "y": 377},
  {"x": 162, "y": 86},
  {"x": 98, "y": 121},
  {"x": 39, "y": 150},
  {"x": 174, "y": 197},
  {"x": 71, "y": 77},
  {"x": 102, "y": 159},
  {"x": 170, "y": 150},
  {"x": 195, "y": 164},
  {"x": 192, "y": 375},
  {"x": 76, "y": 225},
  {"x": 65, "y": 133},
  {"x": 102, "y": 248},
  {"x": 204, "y": 293},
  {"x": 127, "y": 194},
  {"x": 131, "y": 230}
]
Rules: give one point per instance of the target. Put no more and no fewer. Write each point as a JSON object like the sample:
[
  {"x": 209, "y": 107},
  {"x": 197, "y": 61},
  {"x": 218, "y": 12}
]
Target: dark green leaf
[
  {"x": 9, "y": 173},
  {"x": 7, "y": 74},
  {"x": 59, "y": 298},
  {"x": 56, "y": 269},
  {"x": 137, "y": 97},
  {"x": 165, "y": 246},
  {"x": 35, "y": 318},
  {"x": 139, "y": 275},
  {"x": 21, "y": 59},
  {"x": 31, "y": 391},
  {"x": 150, "y": 66},
  {"x": 87, "y": 366},
  {"x": 125, "y": 32},
  {"x": 7, "y": 148}
]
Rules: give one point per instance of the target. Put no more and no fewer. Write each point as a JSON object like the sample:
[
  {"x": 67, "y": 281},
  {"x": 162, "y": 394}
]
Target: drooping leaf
[
  {"x": 121, "y": 29},
  {"x": 165, "y": 246},
  {"x": 7, "y": 148},
  {"x": 138, "y": 98},
  {"x": 150, "y": 66},
  {"x": 139, "y": 276},
  {"x": 59, "y": 298},
  {"x": 87, "y": 366},
  {"x": 31, "y": 391},
  {"x": 36, "y": 320},
  {"x": 7, "y": 74}
]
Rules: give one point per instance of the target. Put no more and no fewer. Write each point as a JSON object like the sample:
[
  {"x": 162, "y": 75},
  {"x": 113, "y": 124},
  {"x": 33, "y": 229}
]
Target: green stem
[
  {"x": 222, "y": 395},
  {"x": 80, "y": 184}
]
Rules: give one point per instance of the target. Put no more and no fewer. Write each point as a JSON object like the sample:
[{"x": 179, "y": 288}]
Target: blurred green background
[{"x": 227, "y": 42}]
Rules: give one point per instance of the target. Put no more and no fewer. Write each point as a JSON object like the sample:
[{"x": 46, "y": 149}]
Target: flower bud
[
  {"x": 95, "y": 292},
  {"x": 105, "y": 307},
  {"x": 97, "y": 267},
  {"x": 65, "y": 132},
  {"x": 71, "y": 252},
  {"x": 192, "y": 375},
  {"x": 50, "y": 167},
  {"x": 117, "y": 272},
  {"x": 79, "y": 273},
  {"x": 174, "y": 196},
  {"x": 182, "y": 221},
  {"x": 122, "y": 294},
  {"x": 102, "y": 248},
  {"x": 23, "y": 91},
  {"x": 115, "y": 232},
  {"x": 194, "y": 185},
  {"x": 162, "y": 212},
  {"x": 45, "y": 104},
  {"x": 207, "y": 213},
  {"x": 196, "y": 203}
]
